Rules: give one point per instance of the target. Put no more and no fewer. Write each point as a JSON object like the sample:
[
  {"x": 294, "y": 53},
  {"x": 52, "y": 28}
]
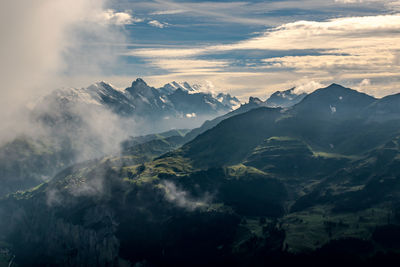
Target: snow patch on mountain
[
  {"x": 286, "y": 98},
  {"x": 182, "y": 104},
  {"x": 191, "y": 115},
  {"x": 169, "y": 88}
]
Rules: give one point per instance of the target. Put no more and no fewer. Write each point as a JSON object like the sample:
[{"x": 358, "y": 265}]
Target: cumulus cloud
[
  {"x": 365, "y": 82},
  {"x": 110, "y": 16},
  {"x": 45, "y": 42},
  {"x": 305, "y": 86},
  {"x": 364, "y": 85}
]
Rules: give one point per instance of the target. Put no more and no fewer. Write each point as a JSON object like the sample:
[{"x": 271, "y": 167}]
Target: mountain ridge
[
  {"x": 257, "y": 185},
  {"x": 285, "y": 98}
]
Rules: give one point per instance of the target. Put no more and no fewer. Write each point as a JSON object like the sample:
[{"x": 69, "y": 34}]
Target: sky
[{"x": 246, "y": 48}]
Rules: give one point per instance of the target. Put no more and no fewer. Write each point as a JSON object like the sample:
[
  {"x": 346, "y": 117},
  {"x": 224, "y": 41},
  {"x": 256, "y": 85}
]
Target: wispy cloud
[
  {"x": 349, "y": 32},
  {"x": 182, "y": 198},
  {"x": 266, "y": 13},
  {"x": 189, "y": 65},
  {"x": 166, "y": 52},
  {"x": 353, "y": 32},
  {"x": 357, "y": 45},
  {"x": 349, "y": 1},
  {"x": 393, "y": 5},
  {"x": 157, "y": 24},
  {"x": 168, "y": 12}
]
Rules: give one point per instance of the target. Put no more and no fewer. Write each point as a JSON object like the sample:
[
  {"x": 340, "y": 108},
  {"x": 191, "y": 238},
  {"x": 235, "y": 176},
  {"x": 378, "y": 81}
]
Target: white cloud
[
  {"x": 42, "y": 41},
  {"x": 191, "y": 115},
  {"x": 364, "y": 86},
  {"x": 182, "y": 198},
  {"x": 111, "y": 16},
  {"x": 346, "y": 33},
  {"x": 349, "y": 1},
  {"x": 189, "y": 65},
  {"x": 166, "y": 52},
  {"x": 233, "y": 12},
  {"x": 332, "y": 63},
  {"x": 307, "y": 86},
  {"x": 168, "y": 12},
  {"x": 343, "y": 48},
  {"x": 365, "y": 82},
  {"x": 393, "y": 5},
  {"x": 157, "y": 24}
]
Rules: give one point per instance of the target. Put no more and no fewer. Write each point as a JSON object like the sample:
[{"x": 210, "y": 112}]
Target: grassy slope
[{"x": 259, "y": 164}]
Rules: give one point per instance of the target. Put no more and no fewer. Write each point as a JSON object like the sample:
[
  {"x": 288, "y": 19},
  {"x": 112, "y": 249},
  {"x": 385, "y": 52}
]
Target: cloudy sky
[{"x": 243, "y": 47}]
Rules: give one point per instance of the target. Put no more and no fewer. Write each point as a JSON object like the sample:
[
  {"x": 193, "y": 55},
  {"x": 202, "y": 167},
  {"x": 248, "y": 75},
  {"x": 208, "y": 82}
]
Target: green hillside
[{"x": 266, "y": 187}]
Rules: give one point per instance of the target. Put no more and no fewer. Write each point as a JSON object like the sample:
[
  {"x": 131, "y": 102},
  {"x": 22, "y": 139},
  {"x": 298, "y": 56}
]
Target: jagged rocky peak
[
  {"x": 288, "y": 94},
  {"x": 139, "y": 82},
  {"x": 183, "y": 86},
  {"x": 285, "y": 98},
  {"x": 102, "y": 84},
  {"x": 228, "y": 97},
  {"x": 101, "y": 87},
  {"x": 187, "y": 86},
  {"x": 138, "y": 86},
  {"x": 255, "y": 100}
]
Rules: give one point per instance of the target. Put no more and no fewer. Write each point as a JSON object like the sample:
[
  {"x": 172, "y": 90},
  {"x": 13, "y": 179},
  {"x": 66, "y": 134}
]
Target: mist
[
  {"x": 44, "y": 44},
  {"x": 182, "y": 199}
]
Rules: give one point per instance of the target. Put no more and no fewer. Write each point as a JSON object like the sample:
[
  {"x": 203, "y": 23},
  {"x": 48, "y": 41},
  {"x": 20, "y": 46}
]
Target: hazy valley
[{"x": 308, "y": 178}]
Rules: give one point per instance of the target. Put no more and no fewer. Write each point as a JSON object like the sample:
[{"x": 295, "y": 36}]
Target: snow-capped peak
[
  {"x": 101, "y": 87},
  {"x": 71, "y": 95},
  {"x": 173, "y": 86},
  {"x": 228, "y": 100}
]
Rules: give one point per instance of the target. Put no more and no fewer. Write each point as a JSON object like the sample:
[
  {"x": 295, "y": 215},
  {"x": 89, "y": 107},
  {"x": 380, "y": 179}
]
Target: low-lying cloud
[
  {"x": 182, "y": 198},
  {"x": 45, "y": 42}
]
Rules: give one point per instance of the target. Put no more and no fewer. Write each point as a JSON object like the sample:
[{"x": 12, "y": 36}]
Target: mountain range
[
  {"x": 143, "y": 101},
  {"x": 69, "y": 130},
  {"x": 314, "y": 183}
]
